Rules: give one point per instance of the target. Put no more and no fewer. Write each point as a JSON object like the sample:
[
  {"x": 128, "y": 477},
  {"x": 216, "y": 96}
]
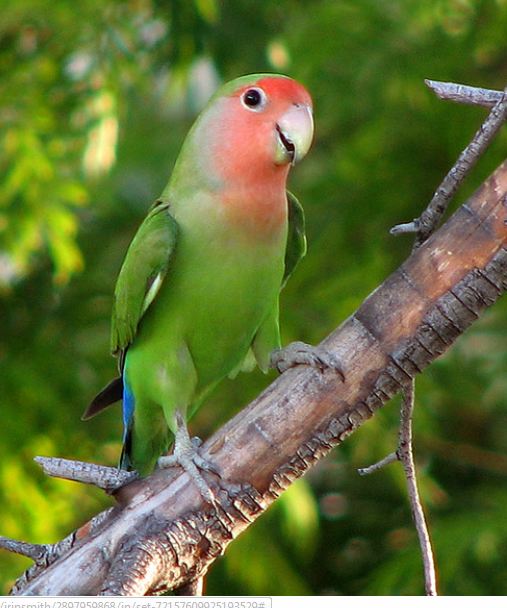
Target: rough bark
[{"x": 161, "y": 536}]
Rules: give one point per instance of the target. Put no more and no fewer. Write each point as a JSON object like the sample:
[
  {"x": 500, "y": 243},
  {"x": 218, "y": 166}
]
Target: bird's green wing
[
  {"x": 146, "y": 264},
  {"x": 296, "y": 237}
]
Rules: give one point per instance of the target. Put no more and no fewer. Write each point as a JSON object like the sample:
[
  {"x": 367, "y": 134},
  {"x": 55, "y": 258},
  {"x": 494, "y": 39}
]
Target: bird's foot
[
  {"x": 300, "y": 353},
  {"x": 186, "y": 455}
]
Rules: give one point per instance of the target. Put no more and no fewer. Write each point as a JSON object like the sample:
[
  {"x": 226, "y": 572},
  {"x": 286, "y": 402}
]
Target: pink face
[{"x": 262, "y": 129}]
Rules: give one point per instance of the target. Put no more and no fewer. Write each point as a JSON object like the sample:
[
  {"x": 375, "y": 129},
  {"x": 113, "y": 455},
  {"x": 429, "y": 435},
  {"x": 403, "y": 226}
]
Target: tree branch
[{"x": 162, "y": 536}]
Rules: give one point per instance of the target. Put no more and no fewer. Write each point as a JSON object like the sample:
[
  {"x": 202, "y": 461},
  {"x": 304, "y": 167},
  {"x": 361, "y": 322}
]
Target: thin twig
[
  {"x": 406, "y": 458},
  {"x": 106, "y": 478},
  {"x": 462, "y": 93},
  {"x": 429, "y": 219},
  {"x": 392, "y": 457},
  {"x": 405, "y": 455}
]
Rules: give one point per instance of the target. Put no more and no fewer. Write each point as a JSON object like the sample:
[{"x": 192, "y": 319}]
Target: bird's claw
[
  {"x": 186, "y": 455},
  {"x": 191, "y": 465},
  {"x": 300, "y": 353},
  {"x": 196, "y": 442},
  {"x": 200, "y": 462}
]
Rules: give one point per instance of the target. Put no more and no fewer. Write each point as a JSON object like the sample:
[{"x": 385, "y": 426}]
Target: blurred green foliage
[{"x": 95, "y": 99}]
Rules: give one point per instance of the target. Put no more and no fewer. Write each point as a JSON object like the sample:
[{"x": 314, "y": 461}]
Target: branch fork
[{"x": 427, "y": 222}]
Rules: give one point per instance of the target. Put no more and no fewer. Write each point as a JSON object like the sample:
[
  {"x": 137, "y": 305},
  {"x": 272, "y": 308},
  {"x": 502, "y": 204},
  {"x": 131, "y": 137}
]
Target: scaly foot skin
[
  {"x": 186, "y": 455},
  {"x": 300, "y": 353}
]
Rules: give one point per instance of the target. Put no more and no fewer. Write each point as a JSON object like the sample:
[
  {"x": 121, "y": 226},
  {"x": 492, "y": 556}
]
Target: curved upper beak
[{"x": 294, "y": 134}]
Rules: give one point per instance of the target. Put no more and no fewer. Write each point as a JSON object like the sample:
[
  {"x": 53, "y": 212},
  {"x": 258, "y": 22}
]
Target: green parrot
[{"x": 197, "y": 296}]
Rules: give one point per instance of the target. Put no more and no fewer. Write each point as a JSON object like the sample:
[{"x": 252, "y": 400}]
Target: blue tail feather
[{"x": 128, "y": 423}]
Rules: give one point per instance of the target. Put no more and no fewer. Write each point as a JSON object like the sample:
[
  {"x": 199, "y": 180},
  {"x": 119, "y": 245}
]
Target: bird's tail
[
  {"x": 110, "y": 394},
  {"x": 128, "y": 423},
  {"x": 125, "y": 461}
]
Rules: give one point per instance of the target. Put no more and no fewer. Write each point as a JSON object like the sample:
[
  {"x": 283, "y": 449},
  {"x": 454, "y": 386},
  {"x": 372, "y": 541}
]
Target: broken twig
[
  {"x": 106, "y": 478},
  {"x": 462, "y": 93},
  {"x": 31, "y": 550},
  {"x": 392, "y": 457}
]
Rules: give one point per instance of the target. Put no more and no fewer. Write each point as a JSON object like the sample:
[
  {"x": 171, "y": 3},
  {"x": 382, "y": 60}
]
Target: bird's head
[
  {"x": 254, "y": 128},
  {"x": 273, "y": 113}
]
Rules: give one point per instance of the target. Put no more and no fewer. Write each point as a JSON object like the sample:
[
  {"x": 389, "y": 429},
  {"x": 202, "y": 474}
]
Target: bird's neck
[
  {"x": 250, "y": 201},
  {"x": 257, "y": 203}
]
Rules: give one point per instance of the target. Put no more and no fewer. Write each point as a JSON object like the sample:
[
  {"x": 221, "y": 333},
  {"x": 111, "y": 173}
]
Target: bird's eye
[{"x": 254, "y": 99}]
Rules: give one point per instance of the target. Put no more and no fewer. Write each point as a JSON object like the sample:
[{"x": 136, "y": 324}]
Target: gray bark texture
[{"x": 160, "y": 535}]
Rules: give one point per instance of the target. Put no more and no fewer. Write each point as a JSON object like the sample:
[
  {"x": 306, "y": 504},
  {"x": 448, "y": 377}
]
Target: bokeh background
[{"x": 95, "y": 99}]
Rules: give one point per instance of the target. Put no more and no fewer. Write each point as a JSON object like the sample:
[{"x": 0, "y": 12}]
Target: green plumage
[{"x": 215, "y": 308}]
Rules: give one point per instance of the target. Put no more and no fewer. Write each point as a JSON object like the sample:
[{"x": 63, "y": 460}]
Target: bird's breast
[
  {"x": 259, "y": 209},
  {"x": 223, "y": 285}
]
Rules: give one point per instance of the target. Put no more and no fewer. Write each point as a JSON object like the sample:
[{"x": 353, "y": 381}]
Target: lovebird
[{"x": 197, "y": 296}]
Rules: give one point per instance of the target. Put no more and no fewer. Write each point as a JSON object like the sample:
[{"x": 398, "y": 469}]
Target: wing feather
[
  {"x": 142, "y": 273},
  {"x": 296, "y": 237}
]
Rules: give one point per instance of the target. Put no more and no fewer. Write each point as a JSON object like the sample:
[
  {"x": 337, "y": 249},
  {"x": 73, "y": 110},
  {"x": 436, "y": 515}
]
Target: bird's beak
[{"x": 294, "y": 133}]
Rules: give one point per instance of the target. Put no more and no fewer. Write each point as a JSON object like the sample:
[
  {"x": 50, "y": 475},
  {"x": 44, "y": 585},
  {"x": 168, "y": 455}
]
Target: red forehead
[{"x": 281, "y": 88}]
